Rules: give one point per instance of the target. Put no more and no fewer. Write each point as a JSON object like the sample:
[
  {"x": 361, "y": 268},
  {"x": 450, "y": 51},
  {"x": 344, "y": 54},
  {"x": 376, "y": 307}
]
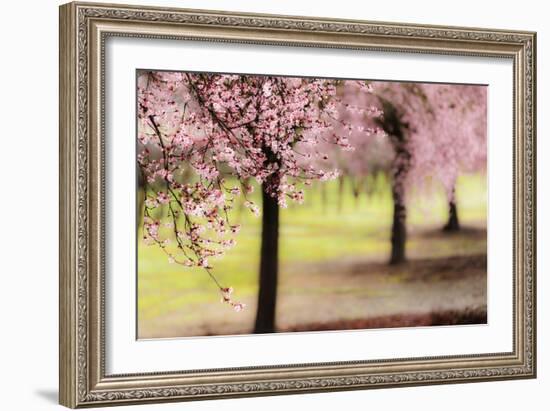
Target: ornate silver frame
[{"x": 83, "y": 30}]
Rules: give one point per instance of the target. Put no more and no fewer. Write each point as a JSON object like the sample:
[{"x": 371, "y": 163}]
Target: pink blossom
[
  {"x": 238, "y": 306},
  {"x": 195, "y": 129},
  {"x": 252, "y": 207},
  {"x": 163, "y": 198}
]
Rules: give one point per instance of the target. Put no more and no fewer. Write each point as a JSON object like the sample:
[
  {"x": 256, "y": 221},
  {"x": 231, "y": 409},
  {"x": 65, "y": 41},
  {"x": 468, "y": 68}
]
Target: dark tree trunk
[
  {"x": 453, "y": 224},
  {"x": 267, "y": 295},
  {"x": 399, "y": 227},
  {"x": 141, "y": 195},
  {"x": 396, "y": 129},
  {"x": 140, "y": 206}
]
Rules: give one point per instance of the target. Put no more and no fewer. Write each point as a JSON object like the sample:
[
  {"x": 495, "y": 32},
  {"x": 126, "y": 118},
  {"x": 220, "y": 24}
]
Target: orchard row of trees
[
  {"x": 432, "y": 132},
  {"x": 197, "y": 130}
]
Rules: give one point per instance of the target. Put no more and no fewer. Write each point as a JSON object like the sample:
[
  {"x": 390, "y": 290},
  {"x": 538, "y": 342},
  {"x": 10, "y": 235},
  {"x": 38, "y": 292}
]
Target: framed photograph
[{"x": 259, "y": 204}]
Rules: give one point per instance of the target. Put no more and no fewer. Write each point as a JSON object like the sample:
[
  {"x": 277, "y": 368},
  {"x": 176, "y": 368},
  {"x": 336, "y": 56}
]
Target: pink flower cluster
[
  {"x": 196, "y": 130},
  {"x": 444, "y": 130},
  {"x": 227, "y": 299},
  {"x": 456, "y": 140}
]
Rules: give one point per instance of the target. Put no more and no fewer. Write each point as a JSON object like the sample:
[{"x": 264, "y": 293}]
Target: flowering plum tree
[
  {"x": 436, "y": 131},
  {"x": 459, "y": 133},
  {"x": 195, "y": 130}
]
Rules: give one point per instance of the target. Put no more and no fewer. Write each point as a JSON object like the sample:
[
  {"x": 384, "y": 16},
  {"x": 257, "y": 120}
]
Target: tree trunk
[
  {"x": 399, "y": 227},
  {"x": 141, "y": 196},
  {"x": 395, "y": 128},
  {"x": 267, "y": 295},
  {"x": 453, "y": 224}
]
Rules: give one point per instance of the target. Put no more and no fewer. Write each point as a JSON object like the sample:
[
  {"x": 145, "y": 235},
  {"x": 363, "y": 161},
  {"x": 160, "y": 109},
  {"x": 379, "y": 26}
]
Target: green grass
[{"x": 339, "y": 227}]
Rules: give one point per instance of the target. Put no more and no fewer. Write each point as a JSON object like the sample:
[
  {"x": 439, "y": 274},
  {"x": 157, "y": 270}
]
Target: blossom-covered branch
[{"x": 199, "y": 132}]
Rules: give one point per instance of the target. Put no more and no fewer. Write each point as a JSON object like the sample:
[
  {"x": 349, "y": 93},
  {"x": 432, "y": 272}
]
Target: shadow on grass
[
  {"x": 423, "y": 269},
  {"x": 474, "y": 233}
]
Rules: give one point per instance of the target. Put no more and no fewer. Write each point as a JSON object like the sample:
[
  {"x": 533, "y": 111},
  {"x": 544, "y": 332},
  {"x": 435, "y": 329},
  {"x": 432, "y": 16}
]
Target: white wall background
[{"x": 29, "y": 189}]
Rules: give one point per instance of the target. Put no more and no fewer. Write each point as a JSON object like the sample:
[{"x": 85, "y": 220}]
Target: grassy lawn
[{"x": 328, "y": 228}]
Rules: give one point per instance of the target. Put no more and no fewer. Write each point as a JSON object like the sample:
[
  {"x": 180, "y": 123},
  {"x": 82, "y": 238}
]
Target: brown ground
[
  {"x": 357, "y": 293},
  {"x": 449, "y": 317}
]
